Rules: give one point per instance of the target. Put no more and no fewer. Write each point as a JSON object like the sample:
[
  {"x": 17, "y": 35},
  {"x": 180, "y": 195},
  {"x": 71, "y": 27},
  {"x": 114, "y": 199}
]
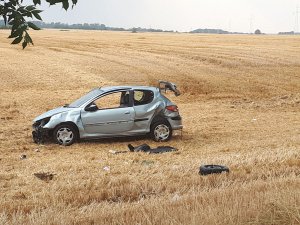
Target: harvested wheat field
[{"x": 240, "y": 107}]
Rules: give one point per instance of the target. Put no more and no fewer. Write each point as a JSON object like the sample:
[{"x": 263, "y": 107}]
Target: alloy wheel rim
[
  {"x": 64, "y": 136},
  {"x": 161, "y": 132}
]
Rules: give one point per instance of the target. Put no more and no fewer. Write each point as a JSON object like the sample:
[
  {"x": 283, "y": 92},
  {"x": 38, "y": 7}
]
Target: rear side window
[{"x": 143, "y": 97}]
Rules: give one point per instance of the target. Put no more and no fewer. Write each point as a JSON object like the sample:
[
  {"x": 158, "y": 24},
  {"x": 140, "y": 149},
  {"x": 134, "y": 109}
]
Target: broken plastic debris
[
  {"x": 112, "y": 151},
  {"x": 106, "y": 168},
  {"x": 23, "y": 157},
  {"x": 175, "y": 198},
  {"x": 147, "y": 162},
  {"x": 44, "y": 176},
  {"x": 116, "y": 152}
]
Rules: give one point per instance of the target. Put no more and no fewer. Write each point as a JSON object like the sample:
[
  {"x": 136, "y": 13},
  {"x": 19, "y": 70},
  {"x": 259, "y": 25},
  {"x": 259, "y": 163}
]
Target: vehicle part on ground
[
  {"x": 163, "y": 149},
  {"x": 147, "y": 148},
  {"x": 65, "y": 134},
  {"x": 147, "y": 162},
  {"x": 210, "y": 169},
  {"x": 22, "y": 157},
  {"x": 44, "y": 176},
  {"x": 117, "y": 152},
  {"x": 106, "y": 168},
  {"x": 140, "y": 148},
  {"x": 112, "y": 112}
]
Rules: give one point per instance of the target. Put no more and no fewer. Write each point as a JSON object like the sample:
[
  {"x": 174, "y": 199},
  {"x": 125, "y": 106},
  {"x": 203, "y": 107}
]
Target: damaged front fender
[
  {"x": 65, "y": 117},
  {"x": 42, "y": 129}
]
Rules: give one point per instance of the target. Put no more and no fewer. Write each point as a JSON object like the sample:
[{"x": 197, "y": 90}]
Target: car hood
[{"x": 52, "y": 113}]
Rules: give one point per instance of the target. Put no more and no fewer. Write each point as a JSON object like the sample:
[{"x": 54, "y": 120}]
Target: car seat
[{"x": 124, "y": 100}]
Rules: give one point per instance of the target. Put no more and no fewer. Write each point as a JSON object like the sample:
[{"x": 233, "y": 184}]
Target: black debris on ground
[
  {"x": 147, "y": 148},
  {"x": 22, "y": 157},
  {"x": 44, "y": 176},
  {"x": 212, "y": 169}
]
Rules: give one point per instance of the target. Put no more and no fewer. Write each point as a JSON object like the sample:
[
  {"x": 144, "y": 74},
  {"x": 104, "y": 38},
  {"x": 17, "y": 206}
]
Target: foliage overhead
[{"x": 15, "y": 14}]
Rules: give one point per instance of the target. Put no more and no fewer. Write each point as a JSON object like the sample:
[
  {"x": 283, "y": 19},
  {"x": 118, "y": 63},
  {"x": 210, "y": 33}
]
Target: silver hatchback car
[{"x": 112, "y": 112}]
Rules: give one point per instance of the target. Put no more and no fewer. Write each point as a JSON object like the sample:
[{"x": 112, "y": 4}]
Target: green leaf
[
  {"x": 65, "y": 5},
  {"x": 14, "y": 26},
  {"x": 36, "y": 15},
  {"x": 53, "y": 2},
  {"x": 37, "y": 2},
  {"x": 33, "y": 26},
  {"x": 30, "y": 7},
  {"x": 28, "y": 38},
  {"x": 37, "y": 11},
  {"x": 15, "y": 15},
  {"x": 17, "y": 40},
  {"x": 74, "y": 3},
  {"x": 24, "y": 44},
  {"x": 21, "y": 27},
  {"x": 28, "y": 14},
  {"x": 5, "y": 19},
  {"x": 13, "y": 35}
]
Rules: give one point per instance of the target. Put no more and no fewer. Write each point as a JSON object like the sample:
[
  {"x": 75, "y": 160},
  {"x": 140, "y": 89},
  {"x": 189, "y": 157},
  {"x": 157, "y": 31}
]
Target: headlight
[
  {"x": 41, "y": 123},
  {"x": 45, "y": 121}
]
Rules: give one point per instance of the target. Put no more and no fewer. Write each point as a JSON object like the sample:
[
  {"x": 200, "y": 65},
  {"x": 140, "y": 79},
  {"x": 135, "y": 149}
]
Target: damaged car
[{"x": 112, "y": 112}]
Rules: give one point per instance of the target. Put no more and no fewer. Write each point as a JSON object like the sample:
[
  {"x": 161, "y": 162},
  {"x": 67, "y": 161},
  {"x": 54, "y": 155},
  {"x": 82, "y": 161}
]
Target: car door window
[
  {"x": 113, "y": 100},
  {"x": 143, "y": 97}
]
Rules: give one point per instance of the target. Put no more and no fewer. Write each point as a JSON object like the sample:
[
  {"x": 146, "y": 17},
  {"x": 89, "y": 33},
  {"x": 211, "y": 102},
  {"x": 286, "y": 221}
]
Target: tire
[
  {"x": 210, "y": 169},
  {"x": 65, "y": 134},
  {"x": 161, "y": 131}
]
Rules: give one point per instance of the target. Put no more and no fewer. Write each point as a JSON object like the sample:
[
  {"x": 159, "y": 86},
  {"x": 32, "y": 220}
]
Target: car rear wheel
[
  {"x": 161, "y": 131},
  {"x": 65, "y": 134}
]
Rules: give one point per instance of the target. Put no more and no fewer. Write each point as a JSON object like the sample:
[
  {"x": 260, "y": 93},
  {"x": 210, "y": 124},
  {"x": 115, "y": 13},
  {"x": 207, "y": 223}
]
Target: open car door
[{"x": 168, "y": 86}]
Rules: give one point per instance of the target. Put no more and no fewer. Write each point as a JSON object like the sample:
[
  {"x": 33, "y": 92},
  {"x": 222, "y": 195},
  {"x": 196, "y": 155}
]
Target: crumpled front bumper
[{"x": 40, "y": 134}]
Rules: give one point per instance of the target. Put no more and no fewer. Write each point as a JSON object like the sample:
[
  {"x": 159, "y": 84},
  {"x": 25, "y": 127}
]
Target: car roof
[{"x": 117, "y": 88}]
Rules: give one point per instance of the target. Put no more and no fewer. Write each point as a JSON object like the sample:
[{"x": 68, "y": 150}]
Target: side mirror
[{"x": 91, "y": 108}]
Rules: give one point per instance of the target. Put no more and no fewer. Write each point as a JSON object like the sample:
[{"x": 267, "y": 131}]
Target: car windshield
[{"x": 79, "y": 102}]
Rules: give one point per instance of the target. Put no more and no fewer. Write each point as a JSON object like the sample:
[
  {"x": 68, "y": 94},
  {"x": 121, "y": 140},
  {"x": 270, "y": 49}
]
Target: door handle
[{"x": 127, "y": 112}]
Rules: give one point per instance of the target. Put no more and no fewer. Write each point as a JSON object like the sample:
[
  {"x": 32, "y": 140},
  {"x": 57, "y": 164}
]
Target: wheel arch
[
  {"x": 158, "y": 118},
  {"x": 71, "y": 124}
]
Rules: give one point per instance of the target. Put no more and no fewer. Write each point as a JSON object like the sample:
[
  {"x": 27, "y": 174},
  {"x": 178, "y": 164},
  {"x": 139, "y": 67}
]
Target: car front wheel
[
  {"x": 65, "y": 134},
  {"x": 161, "y": 131}
]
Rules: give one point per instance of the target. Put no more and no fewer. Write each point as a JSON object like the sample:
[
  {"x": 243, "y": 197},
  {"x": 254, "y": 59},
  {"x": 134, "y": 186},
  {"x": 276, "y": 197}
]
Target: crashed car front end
[
  {"x": 44, "y": 124},
  {"x": 39, "y": 133}
]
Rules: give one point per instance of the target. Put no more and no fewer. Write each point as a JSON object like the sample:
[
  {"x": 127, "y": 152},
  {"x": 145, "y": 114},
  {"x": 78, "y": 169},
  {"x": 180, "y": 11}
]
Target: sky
[{"x": 270, "y": 16}]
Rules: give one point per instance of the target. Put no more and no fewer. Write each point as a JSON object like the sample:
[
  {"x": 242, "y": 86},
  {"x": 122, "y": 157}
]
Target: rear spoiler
[{"x": 168, "y": 86}]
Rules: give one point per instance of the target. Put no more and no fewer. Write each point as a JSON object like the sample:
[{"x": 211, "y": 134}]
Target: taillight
[{"x": 172, "y": 108}]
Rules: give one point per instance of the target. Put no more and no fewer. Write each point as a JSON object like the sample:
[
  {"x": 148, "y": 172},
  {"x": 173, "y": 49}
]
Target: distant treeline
[
  {"x": 220, "y": 31},
  {"x": 213, "y": 31},
  {"x": 89, "y": 26},
  {"x": 97, "y": 26},
  {"x": 288, "y": 33},
  {"x": 84, "y": 26}
]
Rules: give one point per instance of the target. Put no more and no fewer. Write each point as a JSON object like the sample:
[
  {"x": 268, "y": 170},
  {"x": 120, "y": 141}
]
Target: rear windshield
[{"x": 79, "y": 102}]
